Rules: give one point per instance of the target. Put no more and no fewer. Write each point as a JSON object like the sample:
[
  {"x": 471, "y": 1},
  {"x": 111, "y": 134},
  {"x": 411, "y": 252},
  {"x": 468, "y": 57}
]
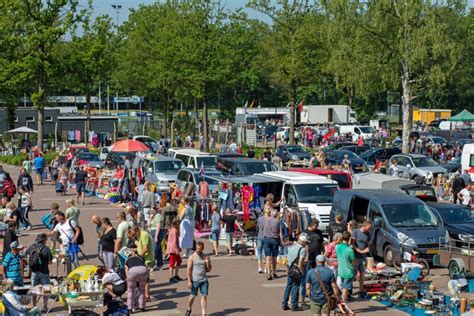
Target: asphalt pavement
[{"x": 235, "y": 286}]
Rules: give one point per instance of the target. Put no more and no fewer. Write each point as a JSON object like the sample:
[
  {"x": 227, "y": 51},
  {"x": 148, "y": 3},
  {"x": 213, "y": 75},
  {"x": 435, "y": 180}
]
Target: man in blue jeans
[
  {"x": 39, "y": 164},
  {"x": 296, "y": 256}
]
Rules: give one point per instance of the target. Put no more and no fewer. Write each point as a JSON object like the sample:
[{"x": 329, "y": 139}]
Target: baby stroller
[{"x": 59, "y": 187}]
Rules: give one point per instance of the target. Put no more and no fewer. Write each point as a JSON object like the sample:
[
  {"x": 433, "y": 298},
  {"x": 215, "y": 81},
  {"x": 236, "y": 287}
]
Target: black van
[
  {"x": 243, "y": 166},
  {"x": 397, "y": 219}
]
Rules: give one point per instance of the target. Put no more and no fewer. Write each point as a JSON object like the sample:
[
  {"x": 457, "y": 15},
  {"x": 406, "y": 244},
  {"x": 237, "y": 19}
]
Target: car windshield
[
  {"x": 341, "y": 154},
  {"x": 168, "y": 166},
  {"x": 88, "y": 157},
  {"x": 421, "y": 192},
  {"x": 366, "y": 154},
  {"x": 438, "y": 140},
  {"x": 454, "y": 214},
  {"x": 315, "y": 193},
  {"x": 295, "y": 149},
  {"x": 410, "y": 215},
  {"x": 254, "y": 168},
  {"x": 366, "y": 129},
  {"x": 424, "y": 162},
  {"x": 208, "y": 162}
]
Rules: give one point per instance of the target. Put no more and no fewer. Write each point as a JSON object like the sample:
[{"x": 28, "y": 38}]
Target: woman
[
  {"x": 136, "y": 273},
  {"x": 63, "y": 178},
  {"x": 214, "y": 222},
  {"x": 330, "y": 252},
  {"x": 157, "y": 233},
  {"x": 351, "y": 225},
  {"x": 25, "y": 207},
  {"x": 173, "y": 250},
  {"x": 54, "y": 168},
  {"x": 12, "y": 301},
  {"x": 133, "y": 216},
  {"x": 260, "y": 240},
  {"x": 186, "y": 239},
  {"x": 112, "y": 282},
  {"x": 273, "y": 237},
  {"x": 269, "y": 203},
  {"x": 26, "y": 164},
  {"x": 107, "y": 242},
  {"x": 72, "y": 212}
]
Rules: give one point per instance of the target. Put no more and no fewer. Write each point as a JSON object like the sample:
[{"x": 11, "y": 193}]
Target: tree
[
  {"x": 285, "y": 45},
  {"x": 88, "y": 57},
  {"x": 39, "y": 27},
  {"x": 410, "y": 41}
]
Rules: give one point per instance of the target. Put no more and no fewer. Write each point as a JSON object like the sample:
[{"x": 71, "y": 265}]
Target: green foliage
[{"x": 13, "y": 160}]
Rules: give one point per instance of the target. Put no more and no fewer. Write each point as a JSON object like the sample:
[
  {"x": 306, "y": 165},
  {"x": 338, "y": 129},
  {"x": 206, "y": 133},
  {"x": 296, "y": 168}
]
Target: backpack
[
  {"x": 35, "y": 257},
  {"x": 10, "y": 189},
  {"x": 80, "y": 238}
]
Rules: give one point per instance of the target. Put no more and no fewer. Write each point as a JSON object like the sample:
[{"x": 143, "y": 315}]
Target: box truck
[{"x": 318, "y": 114}]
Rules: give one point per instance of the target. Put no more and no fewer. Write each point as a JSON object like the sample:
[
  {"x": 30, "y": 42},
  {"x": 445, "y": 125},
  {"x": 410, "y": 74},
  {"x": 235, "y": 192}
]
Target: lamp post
[{"x": 117, "y": 8}]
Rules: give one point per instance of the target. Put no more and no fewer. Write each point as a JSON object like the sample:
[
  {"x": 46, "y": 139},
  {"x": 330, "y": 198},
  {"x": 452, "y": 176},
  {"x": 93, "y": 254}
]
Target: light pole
[{"x": 117, "y": 8}]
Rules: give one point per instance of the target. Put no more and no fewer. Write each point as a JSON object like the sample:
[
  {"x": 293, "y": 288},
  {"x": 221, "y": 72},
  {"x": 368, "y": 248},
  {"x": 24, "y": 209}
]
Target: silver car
[
  {"x": 162, "y": 171},
  {"x": 415, "y": 165}
]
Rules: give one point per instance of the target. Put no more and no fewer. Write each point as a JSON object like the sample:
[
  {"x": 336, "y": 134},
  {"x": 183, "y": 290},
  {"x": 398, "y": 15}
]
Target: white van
[
  {"x": 356, "y": 131},
  {"x": 194, "y": 158},
  {"x": 312, "y": 192},
  {"x": 467, "y": 159}
]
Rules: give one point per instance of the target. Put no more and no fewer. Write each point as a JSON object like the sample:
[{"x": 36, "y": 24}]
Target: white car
[{"x": 280, "y": 132}]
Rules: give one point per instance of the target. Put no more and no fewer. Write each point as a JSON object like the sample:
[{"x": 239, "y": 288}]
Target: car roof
[
  {"x": 318, "y": 171},
  {"x": 411, "y": 155},
  {"x": 207, "y": 172},
  {"x": 381, "y": 196},
  {"x": 162, "y": 158},
  {"x": 191, "y": 152},
  {"x": 297, "y": 177},
  {"x": 244, "y": 160}
]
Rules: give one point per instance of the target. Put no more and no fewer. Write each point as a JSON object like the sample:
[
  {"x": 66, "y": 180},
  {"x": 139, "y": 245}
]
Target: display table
[
  {"x": 53, "y": 298},
  {"x": 93, "y": 301}
]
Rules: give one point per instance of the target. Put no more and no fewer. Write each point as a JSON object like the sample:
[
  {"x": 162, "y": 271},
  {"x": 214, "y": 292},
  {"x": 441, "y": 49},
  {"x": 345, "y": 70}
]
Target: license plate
[
  {"x": 359, "y": 168},
  {"x": 432, "y": 251}
]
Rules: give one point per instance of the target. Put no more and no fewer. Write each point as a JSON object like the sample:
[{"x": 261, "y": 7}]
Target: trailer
[{"x": 320, "y": 114}]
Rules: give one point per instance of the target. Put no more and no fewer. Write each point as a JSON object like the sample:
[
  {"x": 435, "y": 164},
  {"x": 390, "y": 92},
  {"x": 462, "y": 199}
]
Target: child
[
  {"x": 173, "y": 250},
  {"x": 230, "y": 220},
  {"x": 25, "y": 206}
]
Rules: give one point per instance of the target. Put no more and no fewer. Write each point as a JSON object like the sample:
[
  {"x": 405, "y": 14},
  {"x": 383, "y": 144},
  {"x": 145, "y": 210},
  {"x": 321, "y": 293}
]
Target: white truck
[{"x": 318, "y": 114}]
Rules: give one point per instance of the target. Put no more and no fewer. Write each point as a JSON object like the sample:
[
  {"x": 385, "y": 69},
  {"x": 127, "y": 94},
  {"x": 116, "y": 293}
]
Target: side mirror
[
  {"x": 377, "y": 223},
  {"x": 150, "y": 170},
  {"x": 408, "y": 166}
]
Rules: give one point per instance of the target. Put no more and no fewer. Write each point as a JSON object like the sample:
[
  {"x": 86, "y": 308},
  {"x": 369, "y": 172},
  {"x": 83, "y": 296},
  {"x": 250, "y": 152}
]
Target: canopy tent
[
  {"x": 23, "y": 130},
  {"x": 129, "y": 145},
  {"x": 463, "y": 116}
]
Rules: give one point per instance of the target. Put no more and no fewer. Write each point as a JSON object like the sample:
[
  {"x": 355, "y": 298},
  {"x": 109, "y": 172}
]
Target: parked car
[
  {"x": 343, "y": 179},
  {"x": 117, "y": 158},
  {"x": 397, "y": 219},
  {"x": 437, "y": 140},
  {"x": 188, "y": 179},
  {"x": 435, "y": 123},
  {"x": 148, "y": 141},
  {"x": 87, "y": 158},
  {"x": 382, "y": 154},
  {"x": 292, "y": 152},
  {"x": 416, "y": 165},
  {"x": 194, "y": 158},
  {"x": 335, "y": 157},
  {"x": 280, "y": 132},
  {"x": 335, "y": 146},
  {"x": 244, "y": 166},
  {"x": 356, "y": 149},
  {"x": 453, "y": 165},
  {"x": 162, "y": 171},
  {"x": 458, "y": 220}
]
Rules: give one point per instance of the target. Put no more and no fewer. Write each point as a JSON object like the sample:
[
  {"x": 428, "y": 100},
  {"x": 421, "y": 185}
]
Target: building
[{"x": 429, "y": 115}]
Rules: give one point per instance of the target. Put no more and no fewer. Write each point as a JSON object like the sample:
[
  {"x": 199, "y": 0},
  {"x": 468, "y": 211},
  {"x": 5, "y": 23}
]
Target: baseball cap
[
  {"x": 320, "y": 258},
  {"x": 16, "y": 245},
  {"x": 303, "y": 238}
]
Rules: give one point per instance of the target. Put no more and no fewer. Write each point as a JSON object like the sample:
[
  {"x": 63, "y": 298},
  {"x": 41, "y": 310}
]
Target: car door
[
  {"x": 378, "y": 234},
  {"x": 290, "y": 195}
]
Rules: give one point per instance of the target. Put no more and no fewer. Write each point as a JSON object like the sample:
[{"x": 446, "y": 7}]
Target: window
[
  {"x": 290, "y": 196},
  {"x": 16, "y": 119},
  {"x": 375, "y": 212},
  {"x": 48, "y": 119},
  {"x": 182, "y": 176},
  {"x": 471, "y": 160},
  {"x": 30, "y": 119}
]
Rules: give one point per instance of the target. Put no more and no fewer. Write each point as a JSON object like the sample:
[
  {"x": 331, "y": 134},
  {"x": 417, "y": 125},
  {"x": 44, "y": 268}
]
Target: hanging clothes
[
  {"x": 256, "y": 203},
  {"x": 247, "y": 196},
  {"x": 77, "y": 135}
]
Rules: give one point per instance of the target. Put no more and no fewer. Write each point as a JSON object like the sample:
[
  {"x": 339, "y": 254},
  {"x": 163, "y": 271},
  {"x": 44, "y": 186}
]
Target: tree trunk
[
  {"x": 406, "y": 107},
  {"x": 292, "y": 111},
  {"x": 205, "y": 121},
  {"x": 40, "y": 107},
  {"x": 88, "y": 116},
  {"x": 167, "y": 107}
]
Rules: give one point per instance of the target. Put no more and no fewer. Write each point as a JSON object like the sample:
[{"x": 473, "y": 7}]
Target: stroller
[{"x": 59, "y": 187}]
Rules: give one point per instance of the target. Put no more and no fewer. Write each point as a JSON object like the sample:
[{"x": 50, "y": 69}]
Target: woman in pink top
[
  {"x": 330, "y": 252},
  {"x": 173, "y": 250}
]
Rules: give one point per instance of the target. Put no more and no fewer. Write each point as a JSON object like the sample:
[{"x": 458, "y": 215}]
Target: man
[
  {"x": 25, "y": 180},
  {"x": 316, "y": 278},
  {"x": 39, "y": 164},
  {"x": 197, "y": 269},
  {"x": 3, "y": 176},
  {"x": 316, "y": 240},
  {"x": 251, "y": 153},
  {"x": 393, "y": 170},
  {"x": 465, "y": 195},
  {"x": 233, "y": 147},
  {"x": 80, "y": 179},
  {"x": 12, "y": 264},
  {"x": 224, "y": 148},
  {"x": 40, "y": 256},
  {"x": 148, "y": 201},
  {"x": 345, "y": 265},
  {"x": 122, "y": 228},
  {"x": 466, "y": 177},
  {"x": 68, "y": 233},
  {"x": 10, "y": 237},
  {"x": 99, "y": 229},
  {"x": 457, "y": 186},
  {"x": 337, "y": 227},
  {"x": 268, "y": 154},
  {"x": 296, "y": 256},
  {"x": 361, "y": 249}
]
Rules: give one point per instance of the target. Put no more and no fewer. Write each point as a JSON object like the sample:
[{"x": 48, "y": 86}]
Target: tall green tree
[
  {"x": 40, "y": 26},
  {"x": 410, "y": 42},
  {"x": 285, "y": 46}
]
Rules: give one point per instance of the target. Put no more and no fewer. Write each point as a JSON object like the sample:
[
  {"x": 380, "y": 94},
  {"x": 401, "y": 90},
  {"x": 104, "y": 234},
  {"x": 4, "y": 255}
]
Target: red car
[{"x": 344, "y": 179}]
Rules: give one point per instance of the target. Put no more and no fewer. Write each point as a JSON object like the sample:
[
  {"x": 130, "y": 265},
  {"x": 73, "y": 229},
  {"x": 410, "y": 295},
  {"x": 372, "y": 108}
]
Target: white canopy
[{"x": 23, "y": 130}]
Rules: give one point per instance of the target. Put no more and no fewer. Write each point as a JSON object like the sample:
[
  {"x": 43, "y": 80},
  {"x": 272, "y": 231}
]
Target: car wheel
[
  {"x": 388, "y": 255},
  {"x": 454, "y": 269}
]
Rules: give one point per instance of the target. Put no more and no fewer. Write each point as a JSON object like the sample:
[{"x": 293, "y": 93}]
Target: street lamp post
[{"x": 117, "y": 8}]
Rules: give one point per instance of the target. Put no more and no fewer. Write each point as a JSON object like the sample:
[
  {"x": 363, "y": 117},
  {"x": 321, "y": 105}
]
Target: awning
[
  {"x": 23, "y": 130},
  {"x": 463, "y": 116}
]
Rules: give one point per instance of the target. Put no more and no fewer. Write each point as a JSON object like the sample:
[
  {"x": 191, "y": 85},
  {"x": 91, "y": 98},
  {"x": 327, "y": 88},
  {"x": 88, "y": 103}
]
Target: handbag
[
  {"x": 332, "y": 300},
  {"x": 294, "y": 271}
]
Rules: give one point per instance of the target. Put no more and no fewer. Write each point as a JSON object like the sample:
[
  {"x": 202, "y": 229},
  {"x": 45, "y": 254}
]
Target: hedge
[{"x": 18, "y": 159}]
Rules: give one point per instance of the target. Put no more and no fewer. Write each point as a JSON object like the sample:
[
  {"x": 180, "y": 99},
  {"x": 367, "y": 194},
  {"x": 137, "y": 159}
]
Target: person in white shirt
[
  {"x": 393, "y": 170},
  {"x": 68, "y": 232},
  {"x": 465, "y": 196}
]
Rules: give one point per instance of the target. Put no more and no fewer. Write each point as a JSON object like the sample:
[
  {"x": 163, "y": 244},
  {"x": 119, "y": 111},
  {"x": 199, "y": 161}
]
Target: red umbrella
[{"x": 129, "y": 145}]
